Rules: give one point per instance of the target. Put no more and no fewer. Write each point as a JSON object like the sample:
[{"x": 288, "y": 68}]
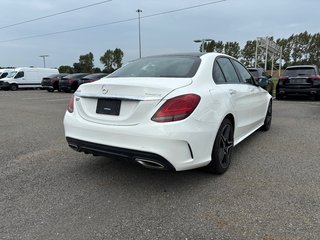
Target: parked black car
[
  {"x": 51, "y": 82},
  {"x": 92, "y": 77},
  {"x": 301, "y": 80},
  {"x": 71, "y": 82},
  {"x": 263, "y": 79}
]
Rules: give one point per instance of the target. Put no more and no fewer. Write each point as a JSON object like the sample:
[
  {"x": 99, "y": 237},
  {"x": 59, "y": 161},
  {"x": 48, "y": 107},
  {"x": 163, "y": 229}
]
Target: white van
[
  {"x": 4, "y": 72},
  {"x": 25, "y": 77}
]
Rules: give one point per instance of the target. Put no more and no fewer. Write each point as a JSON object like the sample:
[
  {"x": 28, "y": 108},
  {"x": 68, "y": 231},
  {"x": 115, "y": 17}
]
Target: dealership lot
[{"x": 49, "y": 191}]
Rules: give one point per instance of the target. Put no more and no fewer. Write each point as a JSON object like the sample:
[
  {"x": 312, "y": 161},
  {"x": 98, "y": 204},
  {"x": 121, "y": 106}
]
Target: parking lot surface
[{"x": 48, "y": 191}]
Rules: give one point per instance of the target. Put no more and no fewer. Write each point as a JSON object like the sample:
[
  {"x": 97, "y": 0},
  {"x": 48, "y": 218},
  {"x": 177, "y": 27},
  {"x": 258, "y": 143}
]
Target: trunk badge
[{"x": 104, "y": 89}]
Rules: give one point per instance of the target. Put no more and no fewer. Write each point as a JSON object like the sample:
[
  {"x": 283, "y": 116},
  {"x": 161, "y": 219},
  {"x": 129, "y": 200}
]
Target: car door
[
  {"x": 255, "y": 97},
  {"x": 227, "y": 80}
]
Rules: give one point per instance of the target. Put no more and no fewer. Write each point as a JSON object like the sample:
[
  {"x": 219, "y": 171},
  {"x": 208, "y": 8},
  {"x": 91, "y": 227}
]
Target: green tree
[
  {"x": 300, "y": 46},
  {"x": 314, "y": 49},
  {"x": 85, "y": 63},
  {"x": 232, "y": 49},
  {"x": 213, "y": 46},
  {"x": 112, "y": 60},
  {"x": 248, "y": 53},
  {"x": 117, "y": 58},
  {"x": 96, "y": 70},
  {"x": 66, "y": 69}
]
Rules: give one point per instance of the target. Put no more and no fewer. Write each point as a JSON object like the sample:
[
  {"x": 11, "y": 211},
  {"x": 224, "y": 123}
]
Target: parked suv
[
  {"x": 71, "y": 82},
  {"x": 299, "y": 80},
  {"x": 51, "y": 82},
  {"x": 263, "y": 79}
]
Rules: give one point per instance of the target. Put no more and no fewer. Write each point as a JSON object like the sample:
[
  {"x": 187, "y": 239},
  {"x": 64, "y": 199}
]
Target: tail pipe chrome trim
[
  {"x": 74, "y": 147},
  {"x": 150, "y": 164}
]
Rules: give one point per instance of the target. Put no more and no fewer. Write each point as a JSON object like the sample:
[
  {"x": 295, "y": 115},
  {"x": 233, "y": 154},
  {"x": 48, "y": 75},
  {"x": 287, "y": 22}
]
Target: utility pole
[
  {"x": 44, "y": 59},
  {"x": 139, "y": 11}
]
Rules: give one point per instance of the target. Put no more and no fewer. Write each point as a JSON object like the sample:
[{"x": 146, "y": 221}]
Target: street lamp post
[
  {"x": 44, "y": 59},
  {"x": 202, "y": 41},
  {"x": 139, "y": 11}
]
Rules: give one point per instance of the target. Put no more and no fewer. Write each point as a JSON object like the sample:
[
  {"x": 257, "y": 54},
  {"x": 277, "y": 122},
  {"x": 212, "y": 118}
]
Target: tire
[
  {"x": 13, "y": 87},
  {"x": 222, "y": 148},
  {"x": 279, "y": 97},
  {"x": 267, "y": 120},
  {"x": 56, "y": 86},
  {"x": 50, "y": 90}
]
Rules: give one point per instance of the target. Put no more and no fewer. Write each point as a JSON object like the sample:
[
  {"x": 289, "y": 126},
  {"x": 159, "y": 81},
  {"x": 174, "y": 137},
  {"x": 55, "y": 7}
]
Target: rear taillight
[
  {"x": 315, "y": 80},
  {"x": 177, "y": 108},
  {"x": 71, "y": 104},
  {"x": 282, "y": 79},
  {"x": 71, "y": 81}
]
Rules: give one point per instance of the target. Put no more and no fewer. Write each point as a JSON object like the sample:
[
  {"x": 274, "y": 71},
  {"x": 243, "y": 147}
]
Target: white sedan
[{"x": 175, "y": 112}]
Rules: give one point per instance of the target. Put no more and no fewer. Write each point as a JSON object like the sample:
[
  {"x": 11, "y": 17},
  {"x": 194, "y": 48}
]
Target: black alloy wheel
[
  {"x": 222, "y": 148},
  {"x": 267, "y": 121}
]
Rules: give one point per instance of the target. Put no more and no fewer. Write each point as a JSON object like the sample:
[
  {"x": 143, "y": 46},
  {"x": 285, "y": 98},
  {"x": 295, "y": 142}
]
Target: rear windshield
[
  {"x": 162, "y": 66},
  {"x": 295, "y": 72},
  {"x": 254, "y": 72}
]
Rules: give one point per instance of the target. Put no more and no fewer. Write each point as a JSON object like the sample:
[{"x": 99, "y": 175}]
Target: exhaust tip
[
  {"x": 150, "y": 164},
  {"x": 74, "y": 147}
]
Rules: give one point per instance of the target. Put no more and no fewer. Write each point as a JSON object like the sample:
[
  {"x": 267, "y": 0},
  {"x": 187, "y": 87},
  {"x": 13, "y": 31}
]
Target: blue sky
[{"x": 231, "y": 20}]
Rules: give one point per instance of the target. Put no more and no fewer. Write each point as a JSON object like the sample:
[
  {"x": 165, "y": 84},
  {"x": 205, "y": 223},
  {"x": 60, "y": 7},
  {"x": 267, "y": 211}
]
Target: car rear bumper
[
  {"x": 65, "y": 87},
  {"x": 145, "y": 158},
  {"x": 176, "y": 146},
  {"x": 299, "y": 91}
]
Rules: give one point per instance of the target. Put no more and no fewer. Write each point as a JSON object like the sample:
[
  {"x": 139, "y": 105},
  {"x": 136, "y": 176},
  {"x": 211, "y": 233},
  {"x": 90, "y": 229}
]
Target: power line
[
  {"x": 54, "y": 14},
  {"x": 111, "y": 23}
]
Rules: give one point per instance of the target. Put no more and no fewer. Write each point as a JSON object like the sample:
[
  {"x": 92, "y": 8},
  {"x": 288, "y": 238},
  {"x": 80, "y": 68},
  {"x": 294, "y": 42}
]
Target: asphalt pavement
[{"x": 49, "y": 191}]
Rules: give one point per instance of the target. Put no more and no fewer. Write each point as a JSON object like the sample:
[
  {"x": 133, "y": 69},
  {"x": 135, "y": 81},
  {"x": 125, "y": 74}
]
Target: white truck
[{"x": 25, "y": 77}]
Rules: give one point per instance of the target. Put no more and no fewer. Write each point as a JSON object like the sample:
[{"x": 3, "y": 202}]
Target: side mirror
[{"x": 262, "y": 82}]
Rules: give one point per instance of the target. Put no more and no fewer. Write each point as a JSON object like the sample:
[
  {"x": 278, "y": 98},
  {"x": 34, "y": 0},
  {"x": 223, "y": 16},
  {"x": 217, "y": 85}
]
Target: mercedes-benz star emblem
[{"x": 104, "y": 89}]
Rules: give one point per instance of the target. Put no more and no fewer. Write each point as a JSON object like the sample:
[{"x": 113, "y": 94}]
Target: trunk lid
[{"x": 124, "y": 101}]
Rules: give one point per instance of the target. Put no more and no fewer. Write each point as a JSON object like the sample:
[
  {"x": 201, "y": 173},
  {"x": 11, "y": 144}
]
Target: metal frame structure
[{"x": 264, "y": 47}]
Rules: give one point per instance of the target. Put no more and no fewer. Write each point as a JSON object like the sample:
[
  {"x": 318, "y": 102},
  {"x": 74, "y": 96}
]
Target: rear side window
[
  {"x": 228, "y": 70},
  {"x": 245, "y": 76},
  {"x": 300, "y": 71},
  {"x": 217, "y": 74},
  {"x": 19, "y": 75}
]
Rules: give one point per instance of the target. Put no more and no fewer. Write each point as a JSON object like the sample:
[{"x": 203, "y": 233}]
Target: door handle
[{"x": 232, "y": 91}]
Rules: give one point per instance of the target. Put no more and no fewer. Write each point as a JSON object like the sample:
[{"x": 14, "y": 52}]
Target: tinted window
[
  {"x": 300, "y": 71},
  {"x": 19, "y": 75},
  {"x": 228, "y": 70},
  {"x": 245, "y": 76},
  {"x": 254, "y": 72},
  {"x": 217, "y": 74},
  {"x": 3, "y": 75},
  {"x": 162, "y": 66}
]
